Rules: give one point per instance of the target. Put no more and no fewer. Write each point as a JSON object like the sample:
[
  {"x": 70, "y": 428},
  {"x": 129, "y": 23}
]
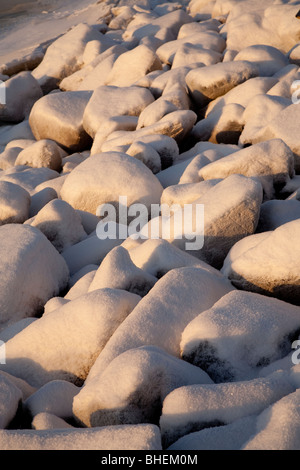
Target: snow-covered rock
[
  {"x": 270, "y": 266},
  {"x": 45, "y": 421},
  {"x": 81, "y": 287},
  {"x": 44, "y": 153},
  {"x": 104, "y": 177},
  {"x": 152, "y": 322},
  {"x": 142, "y": 60},
  {"x": 277, "y": 428},
  {"x": 208, "y": 83},
  {"x": 272, "y": 162},
  {"x": 257, "y": 115},
  {"x": 28, "y": 178},
  {"x": 117, "y": 271},
  {"x": 60, "y": 223},
  {"x": 95, "y": 73},
  {"x": 176, "y": 124},
  {"x": 65, "y": 55},
  {"x": 59, "y": 117},
  {"x": 208, "y": 40},
  {"x": 285, "y": 126},
  {"x": 221, "y": 126},
  {"x": 24, "y": 295},
  {"x": 228, "y": 340},
  {"x": 131, "y": 437},
  {"x": 8, "y": 157},
  {"x": 55, "y": 397},
  {"x": 74, "y": 339},
  {"x": 204, "y": 406},
  {"x": 124, "y": 101},
  {"x": 231, "y": 212},
  {"x": 132, "y": 388},
  {"x": 92, "y": 250},
  {"x": 275, "y": 213},
  {"x": 40, "y": 198},
  {"x": 268, "y": 59},
  {"x": 227, "y": 437},
  {"x": 188, "y": 54},
  {"x": 10, "y": 398},
  {"x": 170, "y": 23},
  {"x": 157, "y": 257},
  {"x": 14, "y": 203},
  {"x": 21, "y": 92}
]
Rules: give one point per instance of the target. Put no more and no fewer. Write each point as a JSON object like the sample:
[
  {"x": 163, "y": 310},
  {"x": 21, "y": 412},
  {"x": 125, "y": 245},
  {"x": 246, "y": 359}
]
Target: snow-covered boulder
[
  {"x": 8, "y": 157},
  {"x": 23, "y": 295},
  {"x": 188, "y": 54},
  {"x": 208, "y": 83},
  {"x": 153, "y": 322},
  {"x": 124, "y": 101},
  {"x": 131, "y": 437},
  {"x": 117, "y": 271},
  {"x": 91, "y": 250},
  {"x": 268, "y": 59},
  {"x": 59, "y": 117},
  {"x": 170, "y": 23},
  {"x": 204, "y": 406},
  {"x": 21, "y": 92},
  {"x": 95, "y": 73},
  {"x": 208, "y": 40},
  {"x": 277, "y": 428},
  {"x": 28, "y": 178},
  {"x": 221, "y": 126},
  {"x": 177, "y": 125},
  {"x": 272, "y": 162},
  {"x": 275, "y": 213},
  {"x": 228, "y": 340},
  {"x": 157, "y": 257},
  {"x": 227, "y": 437},
  {"x": 285, "y": 126},
  {"x": 243, "y": 94},
  {"x": 132, "y": 388},
  {"x": 270, "y": 266},
  {"x": 40, "y": 198},
  {"x": 133, "y": 65},
  {"x": 14, "y": 203},
  {"x": 10, "y": 398},
  {"x": 44, "y": 153},
  {"x": 257, "y": 115},
  {"x": 46, "y": 421},
  {"x": 64, "y": 56},
  {"x": 81, "y": 287},
  {"x": 55, "y": 397},
  {"x": 74, "y": 339},
  {"x": 104, "y": 177},
  {"x": 60, "y": 223},
  {"x": 231, "y": 212},
  {"x": 187, "y": 193}
]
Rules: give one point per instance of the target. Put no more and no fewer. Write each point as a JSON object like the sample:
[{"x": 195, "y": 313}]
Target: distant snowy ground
[{"x": 25, "y": 24}]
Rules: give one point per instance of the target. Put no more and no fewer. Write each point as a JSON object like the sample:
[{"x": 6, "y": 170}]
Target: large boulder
[
  {"x": 59, "y": 117},
  {"x": 31, "y": 272},
  {"x": 104, "y": 177}
]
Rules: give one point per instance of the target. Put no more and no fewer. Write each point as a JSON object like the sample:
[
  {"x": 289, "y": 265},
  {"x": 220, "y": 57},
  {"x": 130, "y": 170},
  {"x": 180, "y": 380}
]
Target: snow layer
[
  {"x": 131, "y": 437},
  {"x": 75, "y": 339}
]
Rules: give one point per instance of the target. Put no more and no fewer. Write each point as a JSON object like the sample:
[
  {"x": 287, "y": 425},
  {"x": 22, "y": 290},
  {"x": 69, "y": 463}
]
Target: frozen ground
[{"x": 149, "y": 225}]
